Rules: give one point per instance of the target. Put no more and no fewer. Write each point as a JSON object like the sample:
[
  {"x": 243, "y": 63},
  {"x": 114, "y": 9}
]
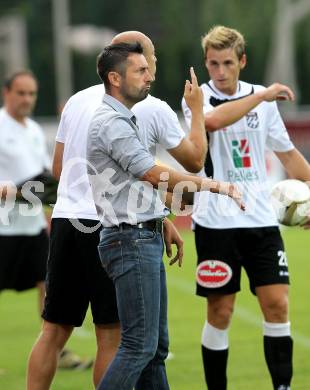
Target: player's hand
[
  {"x": 229, "y": 189},
  {"x": 278, "y": 91},
  {"x": 172, "y": 236},
  {"x": 193, "y": 94}
]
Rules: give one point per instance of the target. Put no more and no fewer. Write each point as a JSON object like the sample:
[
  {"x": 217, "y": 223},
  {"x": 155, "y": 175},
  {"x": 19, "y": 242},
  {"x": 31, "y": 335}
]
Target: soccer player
[{"x": 227, "y": 240}]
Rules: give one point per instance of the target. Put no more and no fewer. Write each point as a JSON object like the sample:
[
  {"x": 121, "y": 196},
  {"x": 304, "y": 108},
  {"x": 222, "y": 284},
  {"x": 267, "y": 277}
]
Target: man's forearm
[
  {"x": 230, "y": 112},
  {"x": 57, "y": 159},
  {"x": 197, "y": 134},
  {"x": 178, "y": 182},
  {"x": 166, "y": 179}
]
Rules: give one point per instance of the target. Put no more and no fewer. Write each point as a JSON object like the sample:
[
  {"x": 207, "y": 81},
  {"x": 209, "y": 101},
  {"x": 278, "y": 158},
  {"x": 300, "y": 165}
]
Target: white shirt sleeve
[
  {"x": 167, "y": 126},
  {"x": 62, "y": 127},
  {"x": 278, "y": 138}
]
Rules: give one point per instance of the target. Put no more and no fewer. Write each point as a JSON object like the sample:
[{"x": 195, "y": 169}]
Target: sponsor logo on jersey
[
  {"x": 241, "y": 153},
  {"x": 242, "y": 175},
  {"x": 213, "y": 273},
  {"x": 252, "y": 120},
  {"x": 242, "y": 161}
]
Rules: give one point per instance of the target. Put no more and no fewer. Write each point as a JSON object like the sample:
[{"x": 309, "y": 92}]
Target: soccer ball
[{"x": 291, "y": 201}]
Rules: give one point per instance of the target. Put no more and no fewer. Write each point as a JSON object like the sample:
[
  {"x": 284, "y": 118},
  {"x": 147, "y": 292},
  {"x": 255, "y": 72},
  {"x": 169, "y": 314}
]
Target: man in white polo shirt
[{"x": 23, "y": 155}]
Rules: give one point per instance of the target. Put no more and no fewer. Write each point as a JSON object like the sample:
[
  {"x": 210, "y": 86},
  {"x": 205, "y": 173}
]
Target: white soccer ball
[{"x": 291, "y": 201}]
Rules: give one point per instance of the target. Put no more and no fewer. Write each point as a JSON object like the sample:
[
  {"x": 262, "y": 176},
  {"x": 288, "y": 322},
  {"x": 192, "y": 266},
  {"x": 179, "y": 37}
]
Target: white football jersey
[
  {"x": 23, "y": 155},
  {"x": 237, "y": 154}
]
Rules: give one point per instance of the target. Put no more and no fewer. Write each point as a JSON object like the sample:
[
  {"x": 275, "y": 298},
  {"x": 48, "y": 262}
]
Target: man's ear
[
  {"x": 114, "y": 79},
  {"x": 243, "y": 61}
]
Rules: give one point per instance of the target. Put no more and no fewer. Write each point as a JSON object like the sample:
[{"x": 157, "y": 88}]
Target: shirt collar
[
  {"x": 13, "y": 120},
  {"x": 117, "y": 105},
  {"x": 242, "y": 90}
]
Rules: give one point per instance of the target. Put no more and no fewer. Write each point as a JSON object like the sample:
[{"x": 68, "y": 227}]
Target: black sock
[
  {"x": 215, "y": 363},
  {"x": 278, "y": 355}
]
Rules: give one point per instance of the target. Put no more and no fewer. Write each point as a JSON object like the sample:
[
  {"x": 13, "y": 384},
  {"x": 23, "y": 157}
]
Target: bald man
[{"x": 75, "y": 218}]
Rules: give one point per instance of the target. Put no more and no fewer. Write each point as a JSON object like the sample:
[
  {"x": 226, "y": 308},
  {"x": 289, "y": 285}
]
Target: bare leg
[
  {"x": 43, "y": 358},
  {"x": 220, "y": 309},
  {"x": 108, "y": 339},
  {"x": 273, "y": 300}
]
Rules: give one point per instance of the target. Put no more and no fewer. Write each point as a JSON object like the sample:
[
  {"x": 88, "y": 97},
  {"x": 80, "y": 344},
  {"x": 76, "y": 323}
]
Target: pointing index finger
[{"x": 193, "y": 76}]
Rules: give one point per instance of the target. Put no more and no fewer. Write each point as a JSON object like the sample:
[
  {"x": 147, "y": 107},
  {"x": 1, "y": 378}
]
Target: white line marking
[{"x": 242, "y": 313}]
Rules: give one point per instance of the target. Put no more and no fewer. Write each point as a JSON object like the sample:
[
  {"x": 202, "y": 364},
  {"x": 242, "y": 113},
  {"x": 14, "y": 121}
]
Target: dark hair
[
  {"x": 114, "y": 58},
  {"x": 10, "y": 79}
]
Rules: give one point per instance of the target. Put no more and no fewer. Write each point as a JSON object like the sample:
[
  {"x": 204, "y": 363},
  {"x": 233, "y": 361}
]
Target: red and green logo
[{"x": 241, "y": 153}]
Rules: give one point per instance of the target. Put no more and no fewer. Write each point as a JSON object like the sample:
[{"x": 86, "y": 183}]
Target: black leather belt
[{"x": 153, "y": 224}]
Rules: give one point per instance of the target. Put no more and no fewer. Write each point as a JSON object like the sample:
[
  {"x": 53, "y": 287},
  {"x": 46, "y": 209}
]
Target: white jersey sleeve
[
  {"x": 169, "y": 130},
  {"x": 158, "y": 123},
  {"x": 278, "y": 138},
  {"x": 61, "y": 132}
]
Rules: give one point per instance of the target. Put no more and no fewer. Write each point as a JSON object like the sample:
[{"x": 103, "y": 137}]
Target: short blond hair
[{"x": 221, "y": 37}]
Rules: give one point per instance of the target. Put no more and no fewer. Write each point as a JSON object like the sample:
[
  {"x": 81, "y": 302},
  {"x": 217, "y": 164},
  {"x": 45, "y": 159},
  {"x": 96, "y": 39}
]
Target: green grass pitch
[{"x": 19, "y": 327}]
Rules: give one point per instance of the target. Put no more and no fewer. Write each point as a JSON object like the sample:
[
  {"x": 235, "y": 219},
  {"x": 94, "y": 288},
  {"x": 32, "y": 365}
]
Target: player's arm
[
  {"x": 297, "y": 167},
  {"x": 230, "y": 112},
  {"x": 295, "y": 164},
  {"x": 180, "y": 183},
  {"x": 57, "y": 159},
  {"x": 191, "y": 151}
]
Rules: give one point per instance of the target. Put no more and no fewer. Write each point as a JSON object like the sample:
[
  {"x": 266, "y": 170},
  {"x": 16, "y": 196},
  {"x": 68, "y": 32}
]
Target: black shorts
[
  {"x": 76, "y": 278},
  {"x": 223, "y": 252},
  {"x": 23, "y": 261}
]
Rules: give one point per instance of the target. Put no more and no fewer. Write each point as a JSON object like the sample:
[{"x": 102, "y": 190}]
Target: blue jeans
[{"x": 133, "y": 260}]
